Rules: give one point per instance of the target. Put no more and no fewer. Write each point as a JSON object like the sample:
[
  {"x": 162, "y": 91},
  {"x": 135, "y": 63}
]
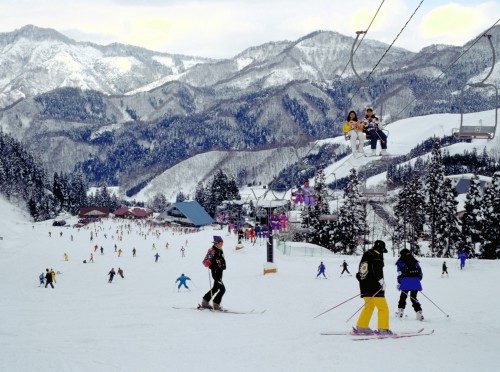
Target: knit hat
[
  {"x": 218, "y": 239},
  {"x": 404, "y": 252},
  {"x": 379, "y": 246}
]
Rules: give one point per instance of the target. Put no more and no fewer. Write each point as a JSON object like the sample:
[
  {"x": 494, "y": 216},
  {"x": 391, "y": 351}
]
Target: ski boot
[
  {"x": 384, "y": 332},
  {"x": 205, "y": 304},
  {"x": 218, "y": 307},
  {"x": 362, "y": 331},
  {"x": 400, "y": 313},
  {"x": 420, "y": 316}
]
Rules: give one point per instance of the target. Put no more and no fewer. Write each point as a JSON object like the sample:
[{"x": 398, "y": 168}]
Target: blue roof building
[{"x": 187, "y": 213}]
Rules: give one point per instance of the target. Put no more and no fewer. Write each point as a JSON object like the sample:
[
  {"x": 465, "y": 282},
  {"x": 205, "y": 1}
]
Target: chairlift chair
[
  {"x": 375, "y": 192},
  {"x": 478, "y": 131}
]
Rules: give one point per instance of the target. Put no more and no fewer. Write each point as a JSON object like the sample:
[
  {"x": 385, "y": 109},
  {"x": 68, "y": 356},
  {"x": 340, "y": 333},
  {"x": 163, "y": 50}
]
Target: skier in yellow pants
[{"x": 372, "y": 286}]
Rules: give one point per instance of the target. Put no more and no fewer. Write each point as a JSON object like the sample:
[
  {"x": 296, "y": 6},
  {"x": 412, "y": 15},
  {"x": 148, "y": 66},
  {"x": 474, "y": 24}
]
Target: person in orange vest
[{"x": 119, "y": 252}]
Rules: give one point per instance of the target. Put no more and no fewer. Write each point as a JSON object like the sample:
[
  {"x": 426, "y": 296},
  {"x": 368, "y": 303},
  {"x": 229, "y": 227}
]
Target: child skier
[
  {"x": 344, "y": 265},
  {"x": 445, "y": 270},
  {"x": 182, "y": 282},
  {"x": 409, "y": 277},
  {"x": 321, "y": 270},
  {"x": 42, "y": 279},
  {"x": 215, "y": 261}
]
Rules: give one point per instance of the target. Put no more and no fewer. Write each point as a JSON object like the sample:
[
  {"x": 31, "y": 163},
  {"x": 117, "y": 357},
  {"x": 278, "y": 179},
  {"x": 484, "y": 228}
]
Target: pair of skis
[
  {"x": 253, "y": 311},
  {"x": 376, "y": 336}
]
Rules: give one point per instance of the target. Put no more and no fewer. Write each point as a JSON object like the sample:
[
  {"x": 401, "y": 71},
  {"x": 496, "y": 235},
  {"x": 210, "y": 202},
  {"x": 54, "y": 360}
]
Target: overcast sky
[{"x": 224, "y": 28}]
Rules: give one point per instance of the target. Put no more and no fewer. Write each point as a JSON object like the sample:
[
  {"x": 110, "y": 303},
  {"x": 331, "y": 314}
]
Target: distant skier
[
  {"x": 133, "y": 252},
  {"x": 372, "y": 287},
  {"x": 215, "y": 261},
  {"x": 91, "y": 258},
  {"x": 183, "y": 251},
  {"x": 42, "y": 279},
  {"x": 156, "y": 257},
  {"x": 48, "y": 279},
  {"x": 111, "y": 275},
  {"x": 371, "y": 125},
  {"x": 119, "y": 252},
  {"x": 66, "y": 257},
  {"x": 445, "y": 270},
  {"x": 462, "y": 256},
  {"x": 53, "y": 274},
  {"x": 182, "y": 282},
  {"x": 102, "y": 250},
  {"x": 353, "y": 128},
  {"x": 120, "y": 272},
  {"x": 321, "y": 270},
  {"x": 409, "y": 277},
  {"x": 344, "y": 265}
]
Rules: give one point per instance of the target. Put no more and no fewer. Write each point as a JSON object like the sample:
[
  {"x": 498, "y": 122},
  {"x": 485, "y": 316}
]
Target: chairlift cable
[
  {"x": 370, "y": 25},
  {"x": 397, "y": 36},
  {"x": 451, "y": 64}
]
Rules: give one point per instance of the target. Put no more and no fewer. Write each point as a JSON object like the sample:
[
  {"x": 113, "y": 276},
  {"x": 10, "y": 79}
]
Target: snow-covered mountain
[
  {"x": 266, "y": 97},
  {"x": 35, "y": 60}
]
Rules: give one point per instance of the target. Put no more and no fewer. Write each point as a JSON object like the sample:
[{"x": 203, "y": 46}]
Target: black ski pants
[
  {"x": 217, "y": 290},
  {"x": 413, "y": 298},
  {"x": 345, "y": 269}
]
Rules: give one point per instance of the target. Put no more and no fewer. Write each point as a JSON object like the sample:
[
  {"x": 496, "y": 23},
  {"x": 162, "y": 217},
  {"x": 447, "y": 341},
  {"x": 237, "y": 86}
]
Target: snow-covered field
[{"x": 86, "y": 324}]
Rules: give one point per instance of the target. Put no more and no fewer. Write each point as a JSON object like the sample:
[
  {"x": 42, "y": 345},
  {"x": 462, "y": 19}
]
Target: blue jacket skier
[
  {"x": 321, "y": 269},
  {"x": 42, "y": 279},
  {"x": 182, "y": 281},
  {"x": 462, "y": 256},
  {"x": 409, "y": 277}
]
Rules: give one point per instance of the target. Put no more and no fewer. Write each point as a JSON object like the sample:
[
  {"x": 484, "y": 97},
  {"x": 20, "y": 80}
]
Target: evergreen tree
[
  {"x": 318, "y": 228},
  {"x": 472, "y": 218},
  {"x": 78, "y": 193},
  {"x": 200, "y": 194},
  {"x": 218, "y": 191},
  {"x": 352, "y": 218},
  {"x": 450, "y": 226},
  {"x": 433, "y": 186},
  {"x": 491, "y": 212},
  {"x": 401, "y": 212},
  {"x": 158, "y": 203}
]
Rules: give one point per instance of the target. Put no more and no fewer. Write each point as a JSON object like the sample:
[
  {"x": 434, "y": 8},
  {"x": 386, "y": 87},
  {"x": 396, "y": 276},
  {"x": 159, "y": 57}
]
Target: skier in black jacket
[
  {"x": 216, "y": 262},
  {"x": 372, "y": 286}
]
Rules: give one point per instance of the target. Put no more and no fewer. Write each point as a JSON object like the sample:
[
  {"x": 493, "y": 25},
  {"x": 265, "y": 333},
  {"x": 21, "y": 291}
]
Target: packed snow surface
[{"x": 87, "y": 324}]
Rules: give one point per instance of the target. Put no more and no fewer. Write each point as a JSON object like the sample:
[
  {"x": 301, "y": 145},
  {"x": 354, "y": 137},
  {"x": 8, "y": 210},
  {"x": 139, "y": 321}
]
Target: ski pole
[
  {"x": 364, "y": 304},
  {"x": 447, "y": 315},
  {"x": 324, "y": 312}
]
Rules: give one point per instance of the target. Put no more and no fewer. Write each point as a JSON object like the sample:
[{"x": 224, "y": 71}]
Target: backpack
[
  {"x": 411, "y": 269},
  {"x": 207, "y": 261}
]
